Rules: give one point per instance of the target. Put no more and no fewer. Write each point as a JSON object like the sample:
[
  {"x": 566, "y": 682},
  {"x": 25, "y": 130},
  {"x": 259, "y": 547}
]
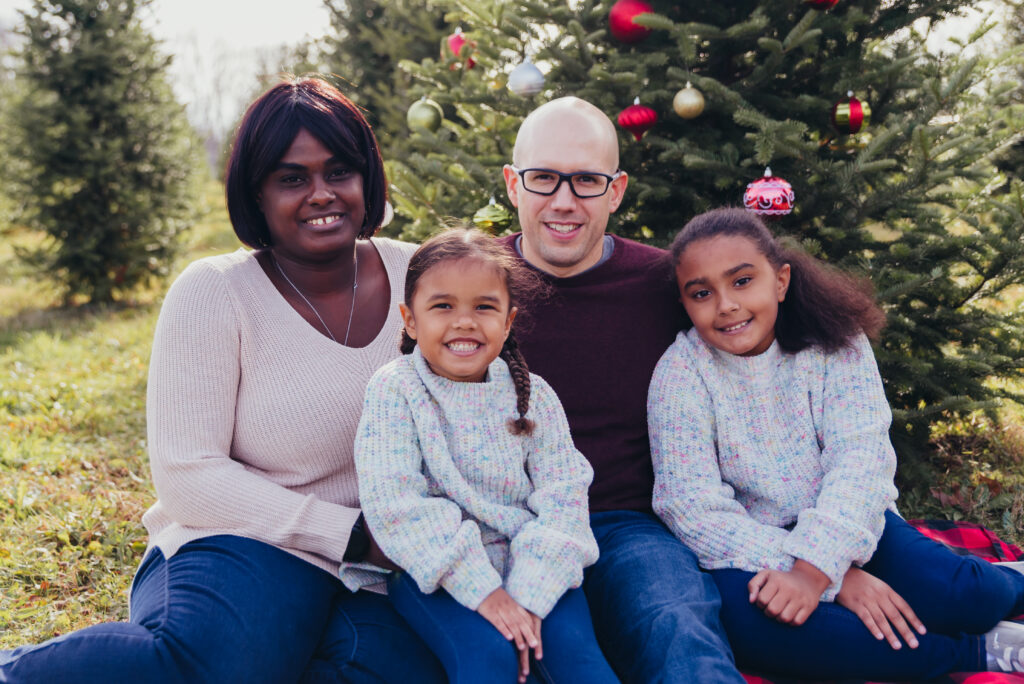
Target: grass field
[{"x": 74, "y": 479}]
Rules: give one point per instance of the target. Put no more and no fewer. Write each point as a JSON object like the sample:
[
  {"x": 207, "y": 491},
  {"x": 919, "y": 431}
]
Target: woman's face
[{"x": 312, "y": 200}]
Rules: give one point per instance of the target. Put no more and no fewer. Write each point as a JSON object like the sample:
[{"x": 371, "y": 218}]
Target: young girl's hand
[
  {"x": 789, "y": 597},
  {"x": 516, "y": 624},
  {"x": 879, "y": 608}
]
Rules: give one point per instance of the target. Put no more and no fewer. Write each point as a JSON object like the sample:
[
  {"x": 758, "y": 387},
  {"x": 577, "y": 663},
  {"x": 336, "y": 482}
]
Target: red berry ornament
[
  {"x": 455, "y": 43},
  {"x": 822, "y": 4},
  {"x": 850, "y": 115},
  {"x": 620, "y": 20},
  {"x": 769, "y": 196},
  {"x": 637, "y": 119}
]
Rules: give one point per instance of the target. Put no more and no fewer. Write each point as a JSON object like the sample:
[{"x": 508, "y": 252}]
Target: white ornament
[{"x": 526, "y": 79}]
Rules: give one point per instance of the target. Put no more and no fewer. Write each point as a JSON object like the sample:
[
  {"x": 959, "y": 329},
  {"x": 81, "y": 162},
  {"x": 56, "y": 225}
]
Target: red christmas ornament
[
  {"x": 620, "y": 20},
  {"x": 455, "y": 43},
  {"x": 637, "y": 118},
  {"x": 850, "y": 115},
  {"x": 769, "y": 196},
  {"x": 822, "y": 4}
]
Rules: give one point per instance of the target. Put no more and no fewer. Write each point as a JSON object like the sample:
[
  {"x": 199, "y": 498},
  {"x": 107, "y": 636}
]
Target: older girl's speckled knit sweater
[
  {"x": 761, "y": 460},
  {"x": 460, "y": 502}
]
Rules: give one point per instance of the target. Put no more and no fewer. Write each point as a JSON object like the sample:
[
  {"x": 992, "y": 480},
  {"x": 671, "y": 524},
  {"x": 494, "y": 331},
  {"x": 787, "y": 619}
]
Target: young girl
[
  {"x": 470, "y": 482},
  {"x": 769, "y": 434}
]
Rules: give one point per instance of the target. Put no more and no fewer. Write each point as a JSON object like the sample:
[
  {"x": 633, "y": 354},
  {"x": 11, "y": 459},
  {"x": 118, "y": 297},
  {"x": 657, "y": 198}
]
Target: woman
[{"x": 255, "y": 390}]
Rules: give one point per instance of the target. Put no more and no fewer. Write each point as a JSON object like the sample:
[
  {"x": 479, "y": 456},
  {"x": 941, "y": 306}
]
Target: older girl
[{"x": 769, "y": 431}]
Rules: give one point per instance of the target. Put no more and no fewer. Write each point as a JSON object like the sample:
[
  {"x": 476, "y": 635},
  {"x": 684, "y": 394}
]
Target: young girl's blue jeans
[
  {"x": 958, "y": 598},
  {"x": 231, "y": 609},
  {"x": 472, "y": 650}
]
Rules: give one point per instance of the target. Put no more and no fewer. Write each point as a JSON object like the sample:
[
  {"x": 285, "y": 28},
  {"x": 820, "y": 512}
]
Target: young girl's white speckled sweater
[
  {"x": 461, "y": 503},
  {"x": 761, "y": 460}
]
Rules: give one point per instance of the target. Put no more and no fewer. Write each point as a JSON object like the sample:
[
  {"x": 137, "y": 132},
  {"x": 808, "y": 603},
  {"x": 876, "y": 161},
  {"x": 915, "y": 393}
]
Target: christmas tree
[
  {"x": 366, "y": 44},
  {"x": 905, "y": 194},
  {"x": 108, "y": 157}
]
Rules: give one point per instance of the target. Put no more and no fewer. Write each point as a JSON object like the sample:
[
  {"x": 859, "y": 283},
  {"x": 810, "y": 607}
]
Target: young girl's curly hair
[
  {"x": 455, "y": 244},
  {"x": 823, "y": 306}
]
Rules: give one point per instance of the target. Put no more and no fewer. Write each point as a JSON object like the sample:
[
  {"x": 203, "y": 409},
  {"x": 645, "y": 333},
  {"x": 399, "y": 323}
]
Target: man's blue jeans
[
  {"x": 473, "y": 650},
  {"x": 957, "y": 598},
  {"x": 230, "y": 609},
  {"x": 655, "y": 612}
]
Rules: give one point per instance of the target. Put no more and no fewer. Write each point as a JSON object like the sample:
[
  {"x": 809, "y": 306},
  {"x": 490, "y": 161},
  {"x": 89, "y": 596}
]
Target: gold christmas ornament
[
  {"x": 493, "y": 217},
  {"x": 688, "y": 102},
  {"x": 424, "y": 113}
]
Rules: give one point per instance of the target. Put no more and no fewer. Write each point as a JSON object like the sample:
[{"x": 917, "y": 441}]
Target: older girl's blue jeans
[
  {"x": 473, "y": 650},
  {"x": 958, "y": 598},
  {"x": 230, "y": 609}
]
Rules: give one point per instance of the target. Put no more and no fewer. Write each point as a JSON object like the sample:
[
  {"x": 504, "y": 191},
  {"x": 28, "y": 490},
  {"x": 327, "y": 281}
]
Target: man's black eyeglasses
[{"x": 584, "y": 184}]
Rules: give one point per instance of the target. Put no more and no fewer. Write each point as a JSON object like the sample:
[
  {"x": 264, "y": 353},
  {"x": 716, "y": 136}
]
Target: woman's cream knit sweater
[{"x": 252, "y": 413}]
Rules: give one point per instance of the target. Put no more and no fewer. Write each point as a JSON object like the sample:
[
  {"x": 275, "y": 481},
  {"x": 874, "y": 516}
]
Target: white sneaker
[
  {"x": 1013, "y": 565},
  {"x": 1004, "y": 646}
]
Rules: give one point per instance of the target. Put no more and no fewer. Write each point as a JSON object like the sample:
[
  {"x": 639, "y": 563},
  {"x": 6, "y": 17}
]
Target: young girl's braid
[{"x": 521, "y": 378}]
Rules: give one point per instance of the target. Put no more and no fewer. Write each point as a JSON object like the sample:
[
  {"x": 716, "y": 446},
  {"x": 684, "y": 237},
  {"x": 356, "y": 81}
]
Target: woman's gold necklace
[{"x": 352, "y": 306}]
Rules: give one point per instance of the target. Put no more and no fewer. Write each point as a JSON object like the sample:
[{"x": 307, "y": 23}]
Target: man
[{"x": 613, "y": 311}]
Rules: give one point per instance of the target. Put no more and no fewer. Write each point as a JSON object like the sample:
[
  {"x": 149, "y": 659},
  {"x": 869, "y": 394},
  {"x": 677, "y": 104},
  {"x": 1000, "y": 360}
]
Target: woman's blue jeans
[
  {"x": 230, "y": 609},
  {"x": 958, "y": 598},
  {"x": 473, "y": 650}
]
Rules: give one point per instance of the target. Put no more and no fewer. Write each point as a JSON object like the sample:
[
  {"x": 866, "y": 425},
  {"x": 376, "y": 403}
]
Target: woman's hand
[
  {"x": 879, "y": 608},
  {"x": 515, "y": 624},
  {"x": 789, "y": 597}
]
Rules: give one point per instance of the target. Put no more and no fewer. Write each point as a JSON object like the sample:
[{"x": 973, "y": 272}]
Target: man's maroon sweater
[{"x": 596, "y": 339}]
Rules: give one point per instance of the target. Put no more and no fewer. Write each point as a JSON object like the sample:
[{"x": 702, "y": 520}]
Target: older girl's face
[
  {"x": 732, "y": 293},
  {"x": 312, "y": 200}
]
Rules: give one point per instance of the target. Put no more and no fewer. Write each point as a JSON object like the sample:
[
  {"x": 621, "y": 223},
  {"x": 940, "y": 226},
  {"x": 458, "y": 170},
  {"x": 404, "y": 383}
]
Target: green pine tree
[
  {"x": 368, "y": 41},
  {"x": 109, "y": 156},
  {"x": 913, "y": 201},
  {"x": 1011, "y": 161}
]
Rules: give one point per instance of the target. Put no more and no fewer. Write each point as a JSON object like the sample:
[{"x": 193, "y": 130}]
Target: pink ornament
[
  {"x": 637, "y": 119},
  {"x": 620, "y": 20},
  {"x": 769, "y": 196},
  {"x": 455, "y": 43},
  {"x": 821, "y": 4}
]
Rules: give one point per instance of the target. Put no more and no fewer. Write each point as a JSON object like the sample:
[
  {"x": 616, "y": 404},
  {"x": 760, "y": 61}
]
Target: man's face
[{"x": 563, "y": 234}]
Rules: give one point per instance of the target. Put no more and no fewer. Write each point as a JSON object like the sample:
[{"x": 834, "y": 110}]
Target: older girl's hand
[
  {"x": 879, "y": 608},
  {"x": 789, "y": 597},
  {"x": 516, "y": 624}
]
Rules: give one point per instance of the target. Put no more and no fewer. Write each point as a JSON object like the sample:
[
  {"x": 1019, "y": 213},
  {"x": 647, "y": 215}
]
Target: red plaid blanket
[{"x": 964, "y": 539}]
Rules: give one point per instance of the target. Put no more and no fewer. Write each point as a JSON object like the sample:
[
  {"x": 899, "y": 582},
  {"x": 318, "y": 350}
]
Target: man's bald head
[
  {"x": 563, "y": 233},
  {"x": 583, "y": 118}
]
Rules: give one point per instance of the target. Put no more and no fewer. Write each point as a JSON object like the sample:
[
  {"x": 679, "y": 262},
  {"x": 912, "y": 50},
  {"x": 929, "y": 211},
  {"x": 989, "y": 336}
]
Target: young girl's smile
[
  {"x": 731, "y": 293},
  {"x": 460, "y": 318}
]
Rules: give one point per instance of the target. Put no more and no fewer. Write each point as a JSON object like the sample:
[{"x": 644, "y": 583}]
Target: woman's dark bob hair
[{"x": 267, "y": 131}]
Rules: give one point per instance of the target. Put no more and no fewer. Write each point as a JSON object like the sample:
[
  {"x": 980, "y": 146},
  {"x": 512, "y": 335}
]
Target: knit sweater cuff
[
  {"x": 536, "y": 586},
  {"x": 819, "y": 547},
  {"x": 471, "y": 579}
]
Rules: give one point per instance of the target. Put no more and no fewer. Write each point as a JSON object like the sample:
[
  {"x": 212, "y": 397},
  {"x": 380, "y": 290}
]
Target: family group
[{"x": 554, "y": 456}]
